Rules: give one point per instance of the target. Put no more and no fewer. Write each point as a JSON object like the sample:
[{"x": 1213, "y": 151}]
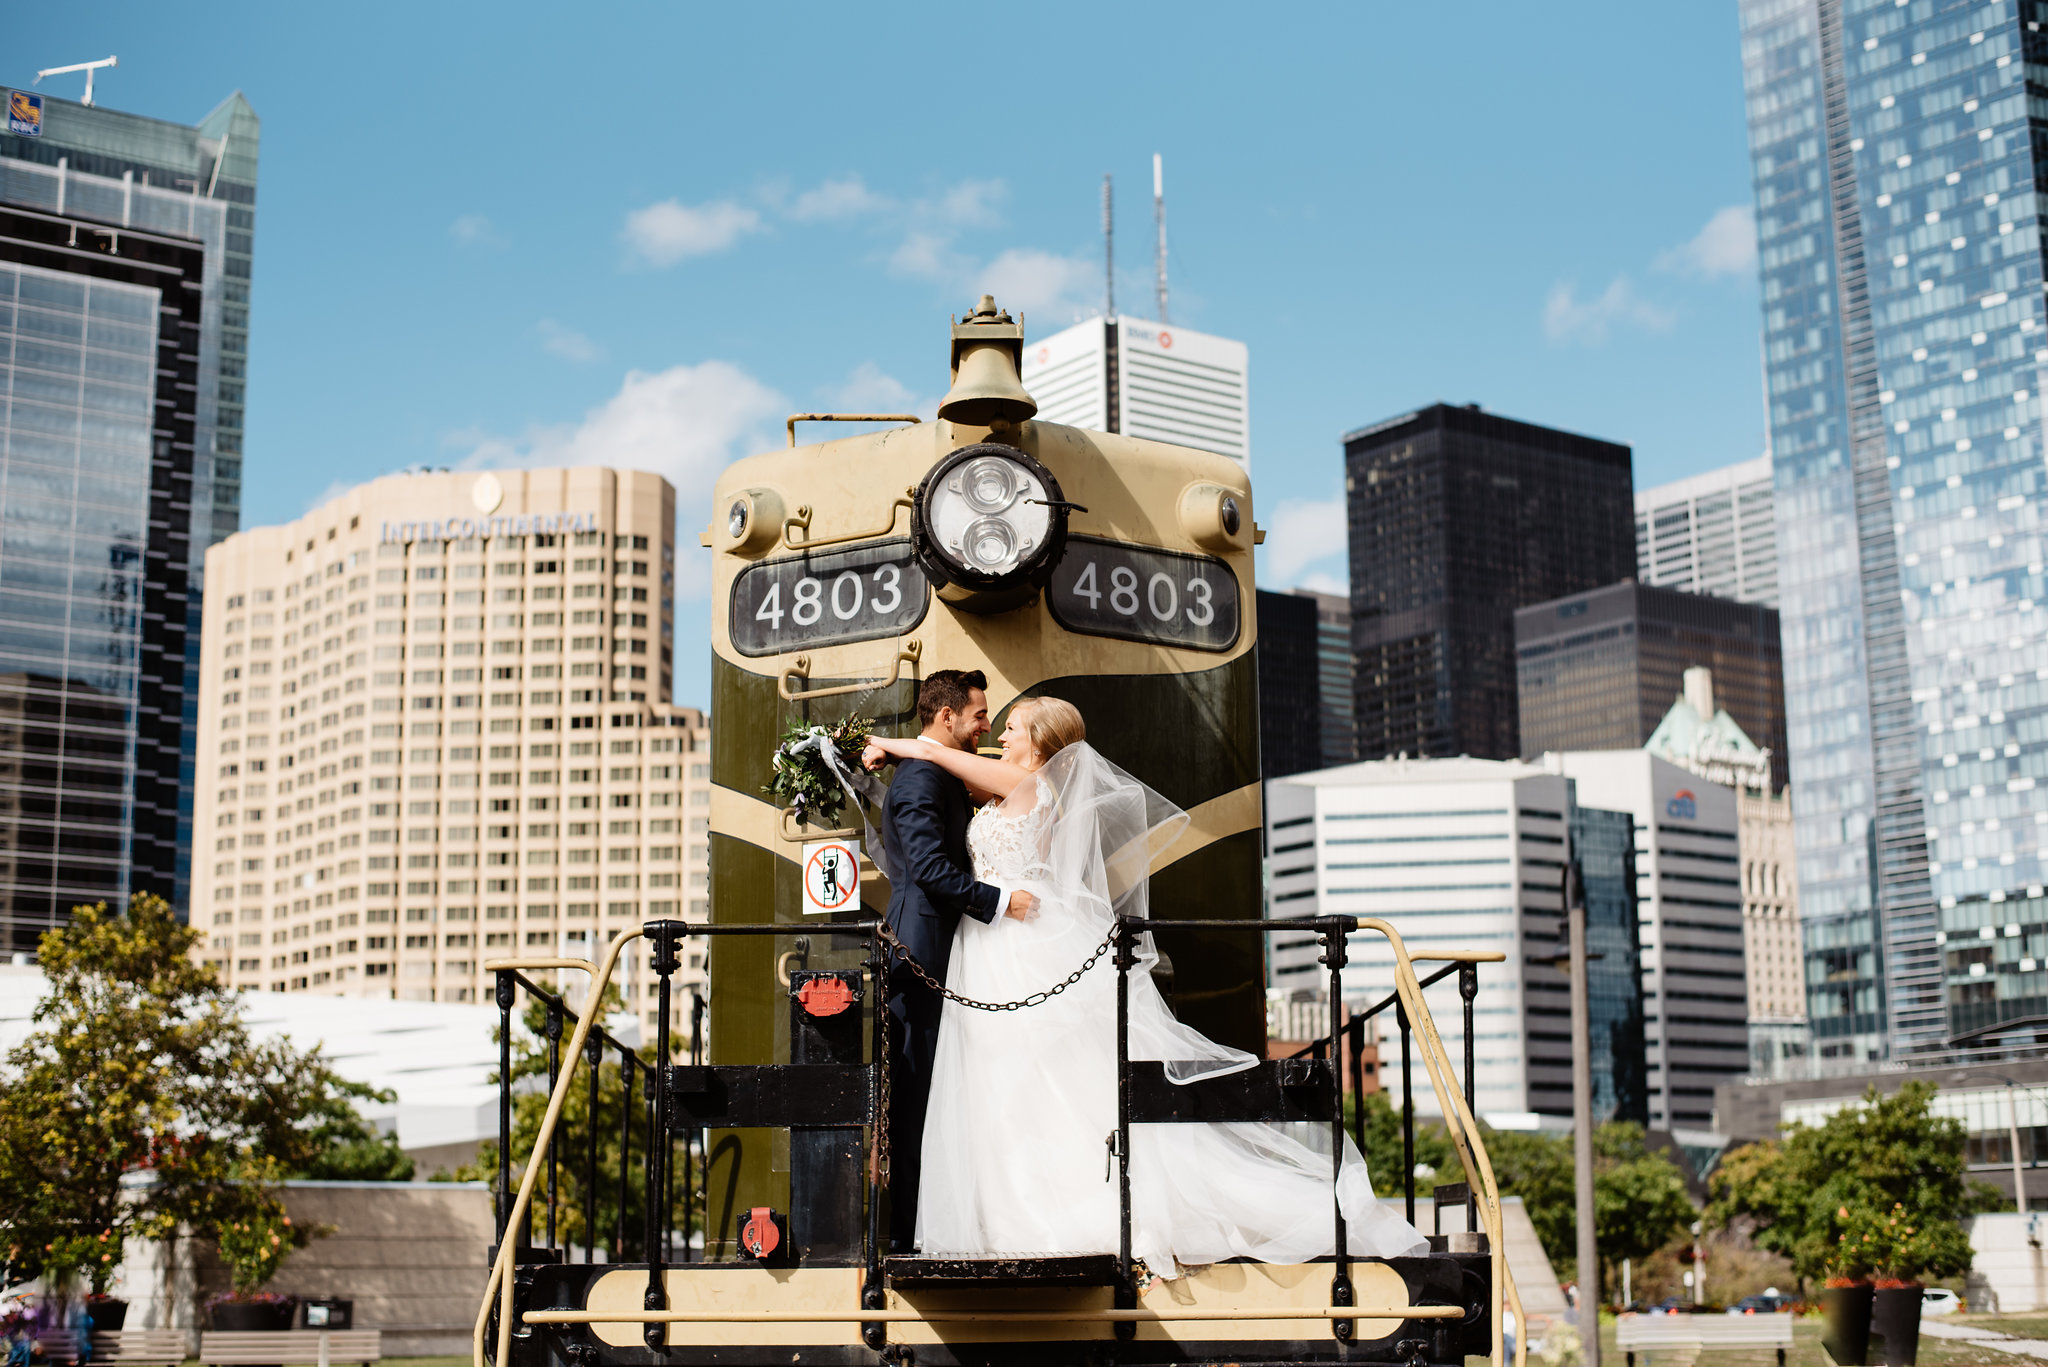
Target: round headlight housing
[{"x": 989, "y": 526}]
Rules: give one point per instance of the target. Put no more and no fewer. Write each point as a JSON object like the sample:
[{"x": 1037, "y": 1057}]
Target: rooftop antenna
[
  {"x": 1108, "y": 250},
  {"x": 87, "y": 67},
  {"x": 1159, "y": 220}
]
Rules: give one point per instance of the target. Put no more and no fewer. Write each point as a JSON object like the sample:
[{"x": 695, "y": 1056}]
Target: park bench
[
  {"x": 1678, "y": 1340},
  {"x": 127, "y": 1347},
  {"x": 56, "y": 1345},
  {"x": 138, "y": 1347},
  {"x": 291, "y": 1348}
]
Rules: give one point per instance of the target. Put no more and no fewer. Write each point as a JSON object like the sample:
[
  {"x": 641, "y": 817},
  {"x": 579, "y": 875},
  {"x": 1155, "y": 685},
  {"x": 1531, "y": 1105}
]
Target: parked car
[
  {"x": 1763, "y": 1303},
  {"x": 1939, "y": 1300},
  {"x": 1672, "y": 1305}
]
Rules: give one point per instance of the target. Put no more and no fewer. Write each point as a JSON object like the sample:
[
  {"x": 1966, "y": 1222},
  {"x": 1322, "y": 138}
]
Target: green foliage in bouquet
[{"x": 801, "y": 778}]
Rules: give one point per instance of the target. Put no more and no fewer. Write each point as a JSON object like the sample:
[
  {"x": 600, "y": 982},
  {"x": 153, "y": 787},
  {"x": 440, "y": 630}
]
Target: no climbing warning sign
[{"x": 831, "y": 877}]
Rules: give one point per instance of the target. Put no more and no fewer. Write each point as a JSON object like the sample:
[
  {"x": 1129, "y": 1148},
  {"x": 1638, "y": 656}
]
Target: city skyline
[{"x": 667, "y": 283}]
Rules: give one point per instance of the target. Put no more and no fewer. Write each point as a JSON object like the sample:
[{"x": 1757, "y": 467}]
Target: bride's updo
[{"x": 1052, "y": 724}]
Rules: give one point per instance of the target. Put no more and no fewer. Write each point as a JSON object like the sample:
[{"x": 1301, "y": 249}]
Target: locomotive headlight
[
  {"x": 989, "y": 526},
  {"x": 750, "y": 521}
]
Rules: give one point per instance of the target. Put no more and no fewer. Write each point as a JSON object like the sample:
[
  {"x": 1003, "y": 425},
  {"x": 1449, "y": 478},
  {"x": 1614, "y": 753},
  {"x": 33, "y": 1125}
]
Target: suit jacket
[{"x": 924, "y": 826}]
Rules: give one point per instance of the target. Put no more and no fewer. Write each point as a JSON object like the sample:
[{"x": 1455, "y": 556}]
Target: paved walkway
[{"x": 1985, "y": 1337}]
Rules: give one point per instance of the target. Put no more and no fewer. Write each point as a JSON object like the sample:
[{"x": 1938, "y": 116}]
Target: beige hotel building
[{"x": 433, "y": 730}]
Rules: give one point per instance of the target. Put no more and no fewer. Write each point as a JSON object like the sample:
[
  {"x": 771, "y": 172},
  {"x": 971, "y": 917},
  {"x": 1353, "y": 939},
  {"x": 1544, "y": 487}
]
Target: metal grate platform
[{"x": 1094, "y": 1269}]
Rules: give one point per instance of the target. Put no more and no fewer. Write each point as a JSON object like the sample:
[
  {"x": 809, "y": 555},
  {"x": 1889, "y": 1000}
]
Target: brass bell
[{"x": 987, "y": 388}]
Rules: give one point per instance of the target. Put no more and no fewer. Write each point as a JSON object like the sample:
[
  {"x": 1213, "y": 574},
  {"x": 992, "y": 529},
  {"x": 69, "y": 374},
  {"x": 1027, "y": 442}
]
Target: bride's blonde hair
[{"x": 1052, "y": 724}]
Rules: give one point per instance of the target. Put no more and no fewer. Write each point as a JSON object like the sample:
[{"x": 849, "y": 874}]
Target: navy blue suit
[{"x": 924, "y": 827}]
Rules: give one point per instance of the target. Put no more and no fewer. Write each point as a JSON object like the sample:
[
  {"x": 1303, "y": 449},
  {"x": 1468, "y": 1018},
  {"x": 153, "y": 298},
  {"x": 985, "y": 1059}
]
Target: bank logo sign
[
  {"x": 471, "y": 528},
  {"x": 25, "y": 113},
  {"x": 1683, "y": 805}
]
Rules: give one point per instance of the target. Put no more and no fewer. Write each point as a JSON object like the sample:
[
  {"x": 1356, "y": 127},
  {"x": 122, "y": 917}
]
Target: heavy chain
[
  {"x": 896, "y": 949},
  {"x": 881, "y": 1142}
]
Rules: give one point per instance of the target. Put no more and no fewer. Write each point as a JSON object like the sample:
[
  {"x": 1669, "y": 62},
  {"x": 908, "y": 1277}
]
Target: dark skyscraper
[
  {"x": 1290, "y": 701},
  {"x": 125, "y": 265},
  {"x": 1458, "y": 517},
  {"x": 1599, "y": 670}
]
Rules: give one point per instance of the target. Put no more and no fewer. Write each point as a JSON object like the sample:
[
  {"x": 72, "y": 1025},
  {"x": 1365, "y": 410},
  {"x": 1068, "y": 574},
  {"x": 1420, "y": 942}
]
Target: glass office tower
[
  {"x": 1900, "y": 256},
  {"x": 100, "y": 168}
]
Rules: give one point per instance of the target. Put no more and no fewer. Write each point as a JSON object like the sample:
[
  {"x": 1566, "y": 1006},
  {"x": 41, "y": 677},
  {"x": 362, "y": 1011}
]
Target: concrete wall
[
  {"x": 411, "y": 1255},
  {"x": 2009, "y": 1267}
]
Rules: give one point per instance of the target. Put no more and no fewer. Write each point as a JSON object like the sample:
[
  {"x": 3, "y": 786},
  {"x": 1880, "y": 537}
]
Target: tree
[
  {"x": 571, "y": 1143},
  {"x": 139, "y": 1103},
  {"x": 1383, "y": 1155},
  {"x": 1879, "y": 1186},
  {"x": 1639, "y": 1198}
]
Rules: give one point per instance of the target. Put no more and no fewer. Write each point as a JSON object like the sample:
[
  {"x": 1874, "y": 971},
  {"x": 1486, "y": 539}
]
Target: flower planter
[
  {"x": 1895, "y": 1319},
  {"x": 107, "y": 1312},
  {"x": 264, "y": 1316},
  {"x": 1847, "y": 1337}
]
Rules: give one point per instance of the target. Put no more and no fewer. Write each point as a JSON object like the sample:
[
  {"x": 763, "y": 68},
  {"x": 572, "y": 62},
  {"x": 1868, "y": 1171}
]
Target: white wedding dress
[{"x": 1016, "y": 1152}]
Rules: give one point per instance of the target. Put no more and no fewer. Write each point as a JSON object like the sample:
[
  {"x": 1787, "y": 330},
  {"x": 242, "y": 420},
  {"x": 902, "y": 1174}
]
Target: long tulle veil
[{"x": 1098, "y": 832}]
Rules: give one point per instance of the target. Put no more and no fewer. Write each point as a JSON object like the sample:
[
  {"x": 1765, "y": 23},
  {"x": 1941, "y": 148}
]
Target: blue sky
[{"x": 641, "y": 234}]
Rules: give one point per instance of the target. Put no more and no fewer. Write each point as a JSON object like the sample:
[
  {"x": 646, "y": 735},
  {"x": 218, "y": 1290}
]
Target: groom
[{"x": 924, "y": 827}]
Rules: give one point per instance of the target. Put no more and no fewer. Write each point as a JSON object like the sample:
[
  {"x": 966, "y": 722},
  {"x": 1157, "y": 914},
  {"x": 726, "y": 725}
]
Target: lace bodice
[{"x": 1002, "y": 845}]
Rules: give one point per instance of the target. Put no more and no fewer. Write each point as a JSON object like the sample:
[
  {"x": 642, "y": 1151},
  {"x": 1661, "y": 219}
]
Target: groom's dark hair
[{"x": 944, "y": 688}]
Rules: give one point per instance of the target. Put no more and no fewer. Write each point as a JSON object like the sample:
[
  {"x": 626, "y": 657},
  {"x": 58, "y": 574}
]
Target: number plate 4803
[
  {"x": 827, "y": 599},
  {"x": 1137, "y": 593}
]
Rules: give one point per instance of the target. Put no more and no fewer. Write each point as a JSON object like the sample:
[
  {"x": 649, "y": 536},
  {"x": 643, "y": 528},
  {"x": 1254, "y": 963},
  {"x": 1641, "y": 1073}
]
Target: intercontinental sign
[{"x": 473, "y": 528}]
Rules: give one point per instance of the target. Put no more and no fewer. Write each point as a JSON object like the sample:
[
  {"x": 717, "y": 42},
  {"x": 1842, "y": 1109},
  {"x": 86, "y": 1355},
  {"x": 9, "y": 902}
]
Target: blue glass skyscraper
[
  {"x": 1895, "y": 164},
  {"x": 100, "y": 585}
]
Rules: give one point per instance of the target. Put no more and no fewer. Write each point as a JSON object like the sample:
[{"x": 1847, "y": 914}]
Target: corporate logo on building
[
  {"x": 1683, "y": 805},
  {"x": 474, "y": 528},
  {"x": 25, "y": 113}
]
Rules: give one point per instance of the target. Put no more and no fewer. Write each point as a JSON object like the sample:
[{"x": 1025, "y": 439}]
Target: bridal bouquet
[{"x": 815, "y": 766}]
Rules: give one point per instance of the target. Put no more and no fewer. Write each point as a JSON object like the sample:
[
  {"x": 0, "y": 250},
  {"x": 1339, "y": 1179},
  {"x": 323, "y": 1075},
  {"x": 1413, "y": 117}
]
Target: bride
[{"x": 1017, "y": 1156}]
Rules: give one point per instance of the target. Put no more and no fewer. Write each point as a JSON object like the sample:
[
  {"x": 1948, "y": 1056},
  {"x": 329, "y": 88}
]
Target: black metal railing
[
  {"x": 638, "y": 1080},
  {"x": 1353, "y": 1032},
  {"x": 687, "y": 1102}
]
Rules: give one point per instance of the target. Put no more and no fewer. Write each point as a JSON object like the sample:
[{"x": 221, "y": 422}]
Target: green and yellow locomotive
[{"x": 1110, "y": 571}]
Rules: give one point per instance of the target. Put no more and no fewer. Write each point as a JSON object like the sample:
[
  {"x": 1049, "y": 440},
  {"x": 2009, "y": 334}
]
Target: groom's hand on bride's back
[{"x": 1023, "y": 905}]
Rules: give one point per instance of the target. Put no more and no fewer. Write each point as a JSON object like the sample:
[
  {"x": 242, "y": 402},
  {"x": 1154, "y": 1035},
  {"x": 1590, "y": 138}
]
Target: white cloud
[
  {"x": 971, "y": 203},
  {"x": 848, "y": 197},
  {"x": 1725, "y": 246},
  {"x": 1567, "y": 318},
  {"x": 665, "y": 233},
  {"x": 686, "y": 423},
  {"x": 335, "y": 489},
  {"x": 1027, "y": 280},
  {"x": 473, "y": 230},
  {"x": 870, "y": 389},
  {"x": 1321, "y": 582},
  {"x": 1299, "y": 534},
  {"x": 927, "y": 256},
  {"x": 567, "y": 342}
]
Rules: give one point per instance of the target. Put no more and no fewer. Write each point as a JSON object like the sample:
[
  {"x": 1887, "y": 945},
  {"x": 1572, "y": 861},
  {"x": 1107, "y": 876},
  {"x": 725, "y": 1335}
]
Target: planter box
[
  {"x": 1895, "y": 1319},
  {"x": 252, "y": 1317},
  {"x": 1847, "y": 1338}
]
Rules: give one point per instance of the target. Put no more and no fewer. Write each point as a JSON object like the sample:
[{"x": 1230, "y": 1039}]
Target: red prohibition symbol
[{"x": 827, "y": 874}]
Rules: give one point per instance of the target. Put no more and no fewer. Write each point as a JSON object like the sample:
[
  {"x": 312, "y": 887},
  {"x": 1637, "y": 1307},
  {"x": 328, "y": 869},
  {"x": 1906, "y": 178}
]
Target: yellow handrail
[
  {"x": 1464, "y": 1131},
  {"x": 500, "y": 1281}
]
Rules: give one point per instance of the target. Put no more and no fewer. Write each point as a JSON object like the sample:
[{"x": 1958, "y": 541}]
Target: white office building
[
  {"x": 1689, "y": 909},
  {"x": 1712, "y": 533},
  {"x": 1457, "y": 854},
  {"x": 1145, "y": 379}
]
